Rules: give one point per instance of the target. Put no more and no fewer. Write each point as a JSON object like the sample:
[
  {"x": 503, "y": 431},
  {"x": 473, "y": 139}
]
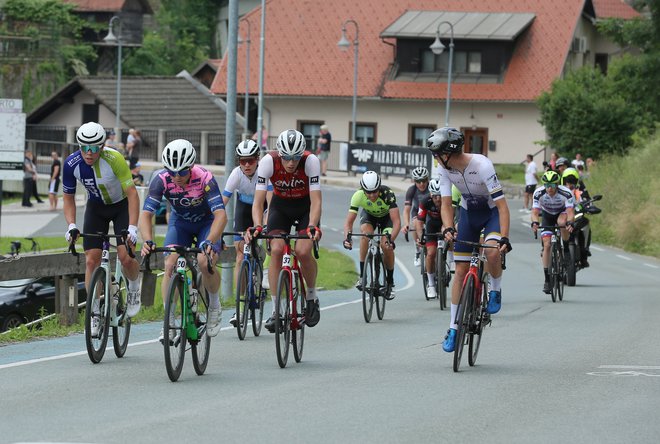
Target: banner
[{"x": 391, "y": 160}]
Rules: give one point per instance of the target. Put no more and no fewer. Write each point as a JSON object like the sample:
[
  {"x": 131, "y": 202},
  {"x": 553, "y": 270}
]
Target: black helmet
[{"x": 445, "y": 140}]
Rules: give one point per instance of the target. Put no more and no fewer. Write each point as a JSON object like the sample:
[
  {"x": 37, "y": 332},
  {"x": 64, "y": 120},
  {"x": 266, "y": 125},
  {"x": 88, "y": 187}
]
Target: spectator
[
  {"x": 553, "y": 160},
  {"x": 589, "y": 163},
  {"x": 138, "y": 179},
  {"x": 133, "y": 145},
  {"x": 577, "y": 161},
  {"x": 264, "y": 138},
  {"x": 323, "y": 148},
  {"x": 30, "y": 180},
  {"x": 531, "y": 181},
  {"x": 111, "y": 142},
  {"x": 582, "y": 172},
  {"x": 54, "y": 183}
]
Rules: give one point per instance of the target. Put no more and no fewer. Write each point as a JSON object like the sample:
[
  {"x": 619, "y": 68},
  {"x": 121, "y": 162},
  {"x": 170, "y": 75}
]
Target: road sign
[{"x": 12, "y": 139}]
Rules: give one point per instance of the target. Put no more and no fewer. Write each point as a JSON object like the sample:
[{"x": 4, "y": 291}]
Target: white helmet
[
  {"x": 291, "y": 143},
  {"x": 247, "y": 148},
  {"x": 434, "y": 187},
  {"x": 420, "y": 173},
  {"x": 178, "y": 155},
  {"x": 370, "y": 181},
  {"x": 91, "y": 133}
]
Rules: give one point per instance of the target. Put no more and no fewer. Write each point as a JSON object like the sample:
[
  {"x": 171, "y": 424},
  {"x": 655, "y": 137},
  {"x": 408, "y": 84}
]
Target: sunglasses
[
  {"x": 550, "y": 185},
  {"x": 90, "y": 148},
  {"x": 296, "y": 157},
  {"x": 421, "y": 181},
  {"x": 182, "y": 173},
  {"x": 371, "y": 192},
  {"x": 247, "y": 161}
]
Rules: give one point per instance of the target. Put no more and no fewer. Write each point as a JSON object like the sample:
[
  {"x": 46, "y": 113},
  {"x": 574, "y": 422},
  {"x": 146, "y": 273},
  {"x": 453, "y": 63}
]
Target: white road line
[
  {"x": 651, "y": 265},
  {"x": 632, "y": 367},
  {"x": 593, "y": 247},
  {"x": 406, "y": 273},
  {"x": 623, "y": 257}
]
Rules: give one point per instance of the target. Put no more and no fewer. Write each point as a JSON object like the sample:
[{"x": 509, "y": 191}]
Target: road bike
[
  {"x": 186, "y": 311},
  {"x": 471, "y": 316},
  {"x": 374, "y": 284},
  {"x": 442, "y": 270},
  {"x": 250, "y": 295},
  {"x": 291, "y": 301},
  {"x": 104, "y": 282},
  {"x": 557, "y": 270}
]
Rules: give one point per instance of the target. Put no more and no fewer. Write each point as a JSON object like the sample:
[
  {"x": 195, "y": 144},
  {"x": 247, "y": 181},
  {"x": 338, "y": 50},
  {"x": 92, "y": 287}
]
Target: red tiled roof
[
  {"x": 302, "y": 57},
  {"x": 613, "y": 9},
  {"x": 97, "y": 5}
]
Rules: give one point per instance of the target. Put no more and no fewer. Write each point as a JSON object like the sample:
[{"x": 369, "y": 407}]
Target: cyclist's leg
[
  {"x": 96, "y": 220},
  {"x": 129, "y": 266},
  {"x": 432, "y": 226},
  {"x": 211, "y": 280},
  {"x": 547, "y": 219},
  {"x": 177, "y": 234},
  {"x": 367, "y": 226},
  {"x": 469, "y": 229},
  {"x": 385, "y": 225},
  {"x": 242, "y": 221}
]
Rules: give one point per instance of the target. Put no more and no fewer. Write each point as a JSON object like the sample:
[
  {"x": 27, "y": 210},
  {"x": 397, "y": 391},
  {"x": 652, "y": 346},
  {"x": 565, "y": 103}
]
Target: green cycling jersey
[{"x": 381, "y": 207}]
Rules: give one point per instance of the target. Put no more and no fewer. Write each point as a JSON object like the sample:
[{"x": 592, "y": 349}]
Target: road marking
[
  {"x": 406, "y": 273},
  {"x": 627, "y": 370},
  {"x": 632, "y": 367},
  {"x": 593, "y": 247},
  {"x": 651, "y": 265},
  {"x": 623, "y": 257}
]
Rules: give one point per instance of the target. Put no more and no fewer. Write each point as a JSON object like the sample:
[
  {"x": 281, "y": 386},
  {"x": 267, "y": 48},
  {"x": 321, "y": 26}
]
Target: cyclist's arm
[
  {"x": 133, "y": 205},
  {"x": 269, "y": 197},
  {"x": 420, "y": 219},
  {"x": 447, "y": 212},
  {"x": 406, "y": 214},
  {"x": 505, "y": 218},
  {"x": 350, "y": 220},
  {"x": 218, "y": 225},
  {"x": 315, "y": 207},
  {"x": 69, "y": 208},
  {"x": 396, "y": 221},
  {"x": 258, "y": 207},
  {"x": 151, "y": 204}
]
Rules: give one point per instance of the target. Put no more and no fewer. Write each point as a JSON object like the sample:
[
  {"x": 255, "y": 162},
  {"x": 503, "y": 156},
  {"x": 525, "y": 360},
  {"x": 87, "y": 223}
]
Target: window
[
  {"x": 419, "y": 133},
  {"x": 311, "y": 130},
  {"x": 601, "y": 62},
  {"x": 366, "y": 132},
  {"x": 464, "y": 62}
]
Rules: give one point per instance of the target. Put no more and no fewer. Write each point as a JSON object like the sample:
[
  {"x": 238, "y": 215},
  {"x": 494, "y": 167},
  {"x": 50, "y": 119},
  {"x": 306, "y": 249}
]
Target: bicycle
[
  {"x": 442, "y": 270},
  {"x": 291, "y": 301},
  {"x": 557, "y": 268},
  {"x": 250, "y": 295},
  {"x": 186, "y": 312},
  {"x": 471, "y": 316},
  {"x": 35, "y": 247},
  {"x": 374, "y": 277},
  {"x": 105, "y": 282}
]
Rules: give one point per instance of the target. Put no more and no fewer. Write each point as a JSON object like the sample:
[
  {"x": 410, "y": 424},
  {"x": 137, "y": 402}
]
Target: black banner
[{"x": 392, "y": 160}]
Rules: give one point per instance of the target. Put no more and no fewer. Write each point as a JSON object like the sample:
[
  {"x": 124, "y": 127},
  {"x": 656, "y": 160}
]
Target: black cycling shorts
[
  {"x": 286, "y": 213},
  {"x": 97, "y": 220},
  {"x": 381, "y": 223},
  {"x": 432, "y": 226}
]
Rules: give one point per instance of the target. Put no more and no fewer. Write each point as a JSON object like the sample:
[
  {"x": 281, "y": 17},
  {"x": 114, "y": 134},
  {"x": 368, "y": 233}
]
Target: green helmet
[
  {"x": 550, "y": 177},
  {"x": 570, "y": 175}
]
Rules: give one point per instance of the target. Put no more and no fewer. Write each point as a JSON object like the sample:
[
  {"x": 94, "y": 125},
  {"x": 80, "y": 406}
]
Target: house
[{"x": 506, "y": 53}]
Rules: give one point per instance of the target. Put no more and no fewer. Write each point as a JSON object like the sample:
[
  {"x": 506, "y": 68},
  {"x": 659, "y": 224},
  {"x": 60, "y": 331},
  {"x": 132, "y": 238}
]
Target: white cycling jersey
[
  {"x": 556, "y": 204},
  {"x": 243, "y": 185},
  {"x": 478, "y": 184}
]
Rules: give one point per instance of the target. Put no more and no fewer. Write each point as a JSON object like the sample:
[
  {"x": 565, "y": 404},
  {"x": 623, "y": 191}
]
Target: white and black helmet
[
  {"x": 420, "y": 173},
  {"x": 90, "y": 134},
  {"x": 247, "y": 148},
  {"x": 370, "y": 181},
  {"x": 291, "y": 143},
  {"x": 178, "y": 155},
  {"x": 434, "y": 187}
]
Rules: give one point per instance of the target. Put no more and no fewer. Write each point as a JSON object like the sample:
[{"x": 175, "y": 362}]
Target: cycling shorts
[
  {"x": 242, "y": 218},
  {"x": 384, "y": 224},
  {"x": 97, "y": 220},
  {"x": 470, "y": 226},
  {"x": 184, "y": 233},
  {"x": 548, "y": 219},
  {"x": 432, "y": 226},
  {"x": 286, "y": 213}
]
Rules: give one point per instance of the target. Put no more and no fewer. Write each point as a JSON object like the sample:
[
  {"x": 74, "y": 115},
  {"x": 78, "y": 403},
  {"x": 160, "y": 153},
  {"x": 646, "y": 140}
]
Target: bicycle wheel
[
  {"x": 122, "y": 331},
  {"x": 202, "y": 346},
  {"x": 96, "y": 292},
  {"x": 478, "y": 321},
  {"x": 441, "y": 273},
  {"x": 463, "y": 320},
  {"x": 283, "y": 317},
  {"x": 381, "y": 289},
  {"x": 368, "y": 283},
  {"x": 422, "y": 269},
  {"x": 554, "y": 272},
  {"x": 260, "y": 294},
  {"x": 561, "y": 276},
  {"x": 243, "y": 299},
  {"x": 174, "y": 333},
  {"x": 298, "y": 337},
  {"x": 571, "y": 270}
]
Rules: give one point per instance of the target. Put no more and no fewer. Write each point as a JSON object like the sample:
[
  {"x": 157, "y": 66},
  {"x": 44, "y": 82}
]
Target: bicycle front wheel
[
  {"x": 174, "y": 333},
  {"x": 202, "y": 346},
  {"x": 283, "y": 318},
  {"x": 422, "y": 269},
  {"x": 463, "y": 320},
  {"x": 260, "y": 294},
  {"x": 381, "y": 288},
  {"x": 554, "y": 272},
  {"x": 478, "y": 322},
  {"x": 561, "y": 276},
  {"x": 298, "y": 336},
  {"x": 441, "y": 276},
  {"x": 368, "y": 283},
  {"x": 96, "y": 306},
  {"x": 571, "y": 269},
  {"x": 243, "y": 300},
  {"x": 122, "y": 331}
]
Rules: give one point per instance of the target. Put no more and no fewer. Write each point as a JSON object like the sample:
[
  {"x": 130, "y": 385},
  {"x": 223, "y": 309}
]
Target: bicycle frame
[
  {"x": 291, "y": 265},
  {"x": 182, "y": 266},
  {"x": 111, "y": 279}
]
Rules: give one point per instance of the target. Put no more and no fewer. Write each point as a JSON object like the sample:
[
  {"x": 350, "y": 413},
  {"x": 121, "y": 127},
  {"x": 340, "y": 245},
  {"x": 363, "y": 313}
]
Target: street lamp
[
  {"x": 247, "y": 74},
  {"x": 344, "y": 44},
  {"x": 111, "y": 39},
  {"x": 438, "y": 48}
]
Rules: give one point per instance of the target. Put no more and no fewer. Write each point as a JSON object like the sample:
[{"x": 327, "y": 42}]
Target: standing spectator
[
  {"x": 54, "y": 183},
  {"x": 553, "y": 160},
  {"x": 577, "y": 161},
  {"x": 138, "y": 179},
  {"x": 264, "y": 138},
  {"x": 133, "y": 145},
  {"x": 323, "y": 148},
  {"x": 28, "y": 172},
  {"x": 531, "y": 180},
  {"x": 589, "y": 163},
  {"x": 111, "y": 142}
]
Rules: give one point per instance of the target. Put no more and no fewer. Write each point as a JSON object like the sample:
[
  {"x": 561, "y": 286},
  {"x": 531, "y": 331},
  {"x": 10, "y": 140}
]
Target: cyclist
[
  {"x": 294, "y": 174},
  {"x": 415, "y": 194},
  {"x": 429, "y": 217},
  {"x": 243, "y": 181},
  {"x": 379, "y": 211},
  {"x": 197, "y": 212},
  {"x": 111, "y": 197},
  {"x": 483, "y": 207},
  {"x": 554, "y": 204},
  {"x": 571, "y": 179}
]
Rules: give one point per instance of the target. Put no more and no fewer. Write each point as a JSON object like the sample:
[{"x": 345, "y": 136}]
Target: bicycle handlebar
[
  {"x": 181, "y": 251},
  {"x": 476, "y": 245},
  {"x": 287, "y": 236},
  {"x": 104, "y": 236},
  {"x": 547, "y": 227}
]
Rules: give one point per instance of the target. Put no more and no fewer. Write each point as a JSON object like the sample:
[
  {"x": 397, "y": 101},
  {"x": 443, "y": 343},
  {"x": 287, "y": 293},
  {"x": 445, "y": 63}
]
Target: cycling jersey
[
  {"x": 556, "y": 204},
  {"x": 285, "y": 185},
  {"x": 105, "y": 181},
  {"x": 197, "y": 200},
  {"x": 428, "y": 210},
  {"x": 478, "y": 184},
  {"x": 243, "y": 185},
  {"x": 414, "y": 196},
  {"x": 379, "y": 208}
]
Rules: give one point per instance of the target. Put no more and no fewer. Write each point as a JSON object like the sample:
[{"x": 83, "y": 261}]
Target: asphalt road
[{"x": 583, "y": 370}]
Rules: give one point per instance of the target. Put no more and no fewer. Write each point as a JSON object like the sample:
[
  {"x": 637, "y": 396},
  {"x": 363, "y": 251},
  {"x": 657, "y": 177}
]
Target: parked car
[{"x": 21, "y": 300}]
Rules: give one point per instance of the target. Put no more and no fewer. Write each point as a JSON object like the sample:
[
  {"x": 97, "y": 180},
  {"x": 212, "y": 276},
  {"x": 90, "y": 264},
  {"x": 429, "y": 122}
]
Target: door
[{"x": 476, "y": 140}]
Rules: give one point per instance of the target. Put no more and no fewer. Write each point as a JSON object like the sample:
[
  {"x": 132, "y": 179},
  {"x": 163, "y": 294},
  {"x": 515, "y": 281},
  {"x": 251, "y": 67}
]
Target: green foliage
[
  {"x": 636, "y": 32},
  {"x": 637, "y": 79},
  {"x": 157, "y": 56},
  {"x": 41, "y": 11}
]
